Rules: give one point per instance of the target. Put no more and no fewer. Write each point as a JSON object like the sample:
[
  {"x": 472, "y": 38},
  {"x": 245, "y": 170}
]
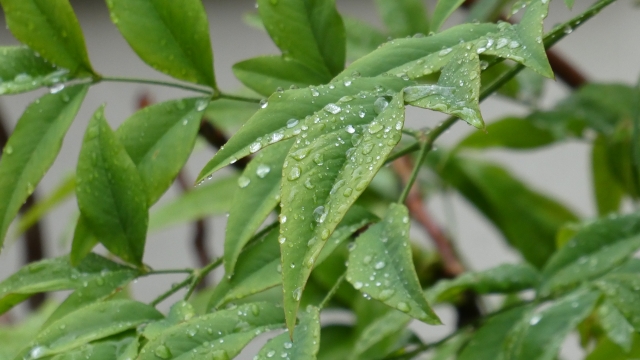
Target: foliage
[{"x": 314, "y": 153}]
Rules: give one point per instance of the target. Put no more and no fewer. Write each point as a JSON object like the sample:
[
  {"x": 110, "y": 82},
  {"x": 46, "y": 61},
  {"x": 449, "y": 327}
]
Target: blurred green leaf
[
  {"x": 383, "y": 253},
  {"x": 214, "y": 197},
  {"x": 608, "y": 192},
  {"x": 362, "y": 38},
  {"x": 51, "y": 29},
  {"x": 379, "y": 329},
  {"x": 444, "y": 9},
  {"x": 21, "y": 69},
  {"x": 325, "y": 174},
  {"x": 112, "y": 348},
  {"x": 14, "y": 338},
  {"x": 512, "y": 133},
  {"x": 159, "y": 140},
  {"x": 220, "y": 335},
  {"x": 404, "y": 17},
  {"x": 622, "y": 291},
  {"x": 172, "y": 37},
  {"x": 336, "y": 342},
  {"x": 305, "y": 342},
  {"x": 32, "y": 148},
  {"x": 228, "y": 115},
  {"x": 608, "y": 350},
  {"x": 311, "y": 32},
  {"x": 595, "y": 249},
  {"x": 83, "y": 241},
  {"x": 111, "y": 195},
  {"x": 615, "y": 325},
  {"x": 258, "y": 195},
  {"x": 486, "y": 10}
]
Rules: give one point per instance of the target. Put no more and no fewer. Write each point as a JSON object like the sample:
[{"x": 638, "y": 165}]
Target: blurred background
[{"x": 606, "y": 49}]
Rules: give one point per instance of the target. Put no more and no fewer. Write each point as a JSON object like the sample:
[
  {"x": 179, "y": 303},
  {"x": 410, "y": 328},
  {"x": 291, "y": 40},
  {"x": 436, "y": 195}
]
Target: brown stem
[
  {"x": 564, "y": 70},
  {"x": 200, "y": 229},
  {"x": 33, "y": 245},
  {"x": 217, "y": 139}
]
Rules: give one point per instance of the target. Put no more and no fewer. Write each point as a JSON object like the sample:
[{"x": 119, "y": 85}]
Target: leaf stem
[
  {"x": 169, "y": 271},
  {"x": 332, "y": 291},
  {"x": 198, "y": 275},
  {"x": 155, "y": 82},
  {"x": 237, "y": 98},
  {"x": 174, "y": 289}
]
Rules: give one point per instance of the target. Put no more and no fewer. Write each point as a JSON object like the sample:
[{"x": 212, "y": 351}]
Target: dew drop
[
  {"x": 386, "y": 294},
  {"x": 375, "y": 127},
  {"x": 243, "y": 181},
  {"x": 294, "y": 174},
  {"x": 254, "y": 147},
  {"x": 403, "y": 306},
  {"x": 379, "y": 265},
  {"x": 350, "y": 129},
  {"x": 162, "y": 352},
  {"x": 262, "y": 170},
  {"x": 380, "y": 104},
  {"x": 332, "y": 108}
]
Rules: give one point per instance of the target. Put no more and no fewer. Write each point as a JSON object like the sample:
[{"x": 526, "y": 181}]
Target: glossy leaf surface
[
  {"x": 33, "y": 147},
  {"x": 306, "y": 339},
  {"x": 22, "y": 70}
]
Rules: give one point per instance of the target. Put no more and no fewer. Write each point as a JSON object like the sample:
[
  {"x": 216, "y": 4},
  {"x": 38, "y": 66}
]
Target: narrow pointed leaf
[
  {"x": 159, "y": 140},
  {"x": 283, "y": 116},
  {"x": 306, "y": 339},
  {"x": 258, "y": 195},
  {"x": 615, "y": 325},
  {"x": 33, "y": 147},
  {"x": 404, "y": 17},
  {"x": 607, "y": 189},
  {"x": 109, "y": 349},
  {"x": 111, "y": 195},
  {"x": 52, "y": 275},
  {"x": 93, "y": 322},
  {"x": 50, "y": 28},
  {"x": 512, "y": 133},
  {"x": 569, "y": 3},
  {"x": 22, "y": 70},
  {"x": 362, "y": 38},
  {"x": 94, "y": 289},
  {"x": 487, "y": 342},
  {"x": 503, "y": 279},
  {"x": 441, "y": 13},
  {"x": 597, "y": 248},
  {"x": 229, "y": 115},
  {"x": 265, "y": 74},
  {"x": 311, "y": 32},
  {"x": 83, "y": 241},
  {"x": 622, "y": 291},
  {"x": 222, "y": 333},
  {"x": 383, "y": 253},
  {"x": 327, "y": 169},
  {"x": 172, "y": 37},
  {"x": 393, "y": 322},
  {"x": 540, "y": 334},
  {"x": 523, "y": 42},
  {"x": 403, "y": 53},
  {"x": 210, "y": 198},
  {"x": 457, "y": 92},
  {"x": 485, "y": 10}
]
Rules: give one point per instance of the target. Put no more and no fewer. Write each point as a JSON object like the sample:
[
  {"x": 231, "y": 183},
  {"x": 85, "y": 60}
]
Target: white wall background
[{"x": 607, "y": 48}]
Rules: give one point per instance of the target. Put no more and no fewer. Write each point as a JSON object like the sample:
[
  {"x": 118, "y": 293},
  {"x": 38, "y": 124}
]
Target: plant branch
[
  {"x": 174, "y": 289},
  {"x": 332, "y": 291},
  {"x": 155, "y": 82},
  {"x": 237, "y": 98},
  {"x": 200, "y": 274}
]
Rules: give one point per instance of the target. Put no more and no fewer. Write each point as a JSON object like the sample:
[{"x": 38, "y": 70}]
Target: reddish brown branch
[
  {"x": 564, "y": 70},
  {"x": 452, "y": 264}
]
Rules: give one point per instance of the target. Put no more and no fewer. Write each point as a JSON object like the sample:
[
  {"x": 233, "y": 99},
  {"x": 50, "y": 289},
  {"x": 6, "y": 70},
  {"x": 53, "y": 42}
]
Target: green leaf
[
  {"x": 83, "y": 241},
  {"x": 608, "y": 350},
  {"x": 507, "y": 278},
  {"x": 336, "y": 342},
  {"x": 326, "y": 170},
  {"x": 391, "y": 323},
  {"x": 485, "y": 10},
  {"x": 282, "y": 117},
  {"x": 597, "y": 248},
  {"x": 63, "y": 191},
  {"x": 113, "y": 348},
  {"x": 14, "y": 338},
  {"x": 94, "y": 289},
  {"x": 419, "y": 53},
  {"x": 212, "y": 198},
  {"x": 311, "y": 32},
  {"x": 608, "y": 192},
  {"x": 569, "y": 3},
  {"x": 621, "y": 291},
  {"x": 267, "y": 74},
  {"x": 228, "y": 115},
  {"x": 306, "y": 339},
  {"x": 51, "y": 29},
  {"x": 441, "y": 13},
  {"x": 487, "y": 342},
  {"x": 457, "y": 91},
  {"x": 172, "y": 37},
  {"x": 539, "y": 335},
  {"x": 512, "y": 133},
  {"x": 52, "y": 275},
  {"x": 22, "y": 70},
  {"x": 522, "y": 42},
  {"x": 615, "y": 325},
  {"x": 362, "y": 38},
  {"x": 111, "y": 196},
  {"x": 258, "y": 195},
  {"x": 383, "y": 253},
  {"x": 33, "y": 147},
  {"x": 528, "y": 220},
  {"x": 179, "y": 312},
  {"x": 220, "y": 335},
  {"x": 159, "y": 140},
  {"x": 404, "y": 17},
  {"x": 92, "y": 322}
]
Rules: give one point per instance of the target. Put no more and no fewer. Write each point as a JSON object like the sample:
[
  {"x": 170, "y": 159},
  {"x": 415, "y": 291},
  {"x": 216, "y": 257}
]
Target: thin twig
[
  {"x": 155, "y": 82},
  {"x": 332, "y": 291},
  {"x": 200, "y": 275}
]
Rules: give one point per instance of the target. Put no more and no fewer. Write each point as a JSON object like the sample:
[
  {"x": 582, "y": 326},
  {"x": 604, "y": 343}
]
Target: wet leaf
[
  {"x": 222, "y": 333},
  {"x": 32, "y": 148},
  {"x": 306, "y": 339},
  {"x": 111, "y": 195},
  {"x": 172, "y": 37},
  {"x": 391, "y": 323},
  {"x": 615, "y": 325},
  {"x": 159, "y": 140},
  {"x": 179, "y": 312},
  {"x": 622, "y": 290},
  {"x": 326, "y": 170},
  {"x": 50, "y": 28},
  {"x": 258, "y": 195},
  {"x": 22, "y": 70},
  {"x": 381, "y": 266}
]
